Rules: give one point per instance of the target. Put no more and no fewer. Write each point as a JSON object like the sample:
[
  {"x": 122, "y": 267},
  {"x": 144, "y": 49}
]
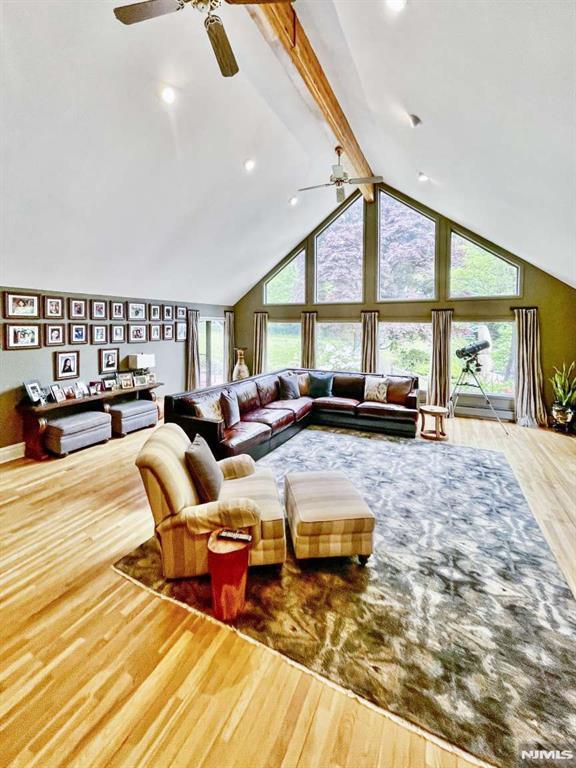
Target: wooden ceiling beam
[{"x": 279, "y": 23}]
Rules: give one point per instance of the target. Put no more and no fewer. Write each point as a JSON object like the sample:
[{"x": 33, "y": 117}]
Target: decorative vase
[
  {"x": 240, "y": 369},
  {"x": 562, "y": 415}
]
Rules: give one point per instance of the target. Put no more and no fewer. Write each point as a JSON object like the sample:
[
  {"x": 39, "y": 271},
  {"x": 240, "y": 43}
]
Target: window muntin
[
  {"x": 406, "y": 252},
  {"x": 475, "y": 271},
  {"x": 339, "y": 258},
  {"x": 284, "y": 348},
  {"x": 288, "y": 286},
  {"x": 406, "y": 348},
  {"x": 339, "y": 346},
  {"x": 211, "y": 349},
  {"x": 498, "y": 361}
]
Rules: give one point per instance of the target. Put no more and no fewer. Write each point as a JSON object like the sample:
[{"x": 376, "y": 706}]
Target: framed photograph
[
  {"x": 69, "y": 392},
  {"x": 54, "y": 334},
  {"x": 181, "y": 332},
  {"x": 77, "y": 309},
  {"x": 118, "y": 334},
  {"x": 136, "y": 311},
  {"x": 151, "y": 378},
  {"x": 21, "y": 306},
  {"x": 99, "y": 334},
  {"x": 155, "y": 312},
  {"x": 108, "y": 360},
  {"x": 95, "y": 387},
  {"x": 34, "y": 391},
  {"x": 66, "y": 365},
  {"x": 22, "y": 336},
  {"x": 78, "y": 333},
  {"x": 168, "y": 332},
  {"x": 180, "y": 313},
  {"x": 137, "y": 334},
  {"x": 155, "y": 332},
  {"x": 81, "y": 389},
  {"x": 117, "y": 310},
  {"x": 110, "y": 384},
  {"x": 141, "y": 380},
  {"x": 168, "y": 313},
  {"x": 53, "y": 307},
  {"x": 98, "y": 310},
  {"x": 126, "y": 381},
  {"x": 57, "y": 393}
]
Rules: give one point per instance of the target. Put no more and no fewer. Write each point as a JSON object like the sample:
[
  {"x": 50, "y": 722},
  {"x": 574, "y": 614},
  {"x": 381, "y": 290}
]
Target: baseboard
[{"x": 11, "y": 452}]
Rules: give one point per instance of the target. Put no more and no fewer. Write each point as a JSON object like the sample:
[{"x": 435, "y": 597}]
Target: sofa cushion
[
  {"x": 247, "y": 395},
  {"x": 268, "y": 389},
  {"x": 230, "y": 408},
  {"x": 276, "y": 419},
  {"x": 321, "y": 384},
  {"x": 244, "y": 435},
  {"x": 204, "y": 470},
  {"x": 376, "y": 389},
  {"x": 289, "y": 388},
  {"x": 344, "y": 404},
  {"x": 260, "y": 487},
  {"x": 387, "y": 411},
  {"x": 399, "y": 387},
  {"x": 300, "y": 407},
  {"x": 304, "y": 384},
  {"x": 208, "y": 406},
  {"x": 348, "y": 385}
]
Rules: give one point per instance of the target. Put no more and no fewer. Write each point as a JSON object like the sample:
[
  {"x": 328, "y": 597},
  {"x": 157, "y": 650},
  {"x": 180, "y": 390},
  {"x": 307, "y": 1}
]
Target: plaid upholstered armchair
[{"x": 248, "y": 499}]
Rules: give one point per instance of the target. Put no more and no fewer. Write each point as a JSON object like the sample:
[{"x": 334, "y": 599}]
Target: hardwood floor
[{"x": 95, "y": 671}]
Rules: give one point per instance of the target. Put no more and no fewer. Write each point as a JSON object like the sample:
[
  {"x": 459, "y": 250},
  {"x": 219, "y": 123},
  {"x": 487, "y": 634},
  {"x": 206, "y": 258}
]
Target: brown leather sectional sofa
[{"x": 266, "y": 421}]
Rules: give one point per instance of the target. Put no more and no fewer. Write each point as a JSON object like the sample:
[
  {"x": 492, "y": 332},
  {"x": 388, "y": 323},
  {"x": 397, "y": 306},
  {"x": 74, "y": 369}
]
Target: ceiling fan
[
  {"x": 339, "y": 179},
  {"x": 151, "y": 9}
]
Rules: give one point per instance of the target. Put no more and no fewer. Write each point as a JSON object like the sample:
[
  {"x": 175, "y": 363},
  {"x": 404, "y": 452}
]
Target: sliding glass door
[{"x": 211, "y": 332}]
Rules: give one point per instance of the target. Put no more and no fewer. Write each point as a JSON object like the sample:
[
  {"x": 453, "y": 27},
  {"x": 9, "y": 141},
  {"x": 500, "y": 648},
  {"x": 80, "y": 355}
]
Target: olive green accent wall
[
  {"x": 555, "y": 300},
  {"x": 17, "y": 366}
]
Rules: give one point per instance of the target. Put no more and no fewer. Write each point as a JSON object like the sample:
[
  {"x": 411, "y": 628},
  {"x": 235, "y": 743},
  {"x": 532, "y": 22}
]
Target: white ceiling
[
  {"x": 107, "y": 190},
  {"x": 494, "y": 82}
]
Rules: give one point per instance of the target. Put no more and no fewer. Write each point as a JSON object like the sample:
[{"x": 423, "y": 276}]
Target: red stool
[{"x": 228, "y": 566}]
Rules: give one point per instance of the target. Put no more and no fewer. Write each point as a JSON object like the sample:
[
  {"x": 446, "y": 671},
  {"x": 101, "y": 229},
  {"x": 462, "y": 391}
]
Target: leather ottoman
[
  {"x": 77, "y": 431},
  {"x": 132, "y": 415}
]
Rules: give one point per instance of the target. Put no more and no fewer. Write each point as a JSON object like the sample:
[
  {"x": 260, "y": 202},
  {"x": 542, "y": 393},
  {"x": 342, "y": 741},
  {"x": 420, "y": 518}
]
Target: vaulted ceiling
[{"x": 106, "y": 189}]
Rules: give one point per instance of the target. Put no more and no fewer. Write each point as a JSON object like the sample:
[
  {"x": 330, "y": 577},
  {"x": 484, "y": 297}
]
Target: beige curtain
[
  {"x": 260, "y": 342},
  {"x": 192, "y": 350},
  {"x": 370, "y": 341},
  {"x": 308, "y": 323},
  {"x": 229, "y": 344},
  {"x": 439, "y": 384},
  {"x": 530, "y": 409}
]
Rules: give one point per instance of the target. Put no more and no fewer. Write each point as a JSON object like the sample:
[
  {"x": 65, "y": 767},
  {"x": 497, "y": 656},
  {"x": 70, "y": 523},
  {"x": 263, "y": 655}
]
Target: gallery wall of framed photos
[{"x": 38, "y": 326}]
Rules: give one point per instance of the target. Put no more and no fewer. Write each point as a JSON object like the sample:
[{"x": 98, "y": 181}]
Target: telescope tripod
[{"x": 466, "y": 371}]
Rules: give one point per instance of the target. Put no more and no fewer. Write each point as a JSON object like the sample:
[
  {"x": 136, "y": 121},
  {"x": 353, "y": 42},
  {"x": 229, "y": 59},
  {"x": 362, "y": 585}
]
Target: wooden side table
[
  {"x": 439, "y": 413},
  {"x": 228, "y": 566}
]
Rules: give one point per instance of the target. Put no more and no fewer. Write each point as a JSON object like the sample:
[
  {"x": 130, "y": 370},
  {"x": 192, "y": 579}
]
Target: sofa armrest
[
  {"x": 212, "y": 430},
  {"x": 237, "y": 466},
  {"x": 225, "y": 513},
  {"x": 412, "y": 399}
]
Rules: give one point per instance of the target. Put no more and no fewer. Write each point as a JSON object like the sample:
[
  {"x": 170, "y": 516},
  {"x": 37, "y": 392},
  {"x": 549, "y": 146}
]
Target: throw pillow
[
  {"x": 304, "y": 384},
  {"x": 321, "y": 384},
  {"x": 204, "y": 470},
  {"x": 289, "y": 389},
  {"x": 230, "y": 407},
  {"x": 209, "y": 407},
  {"x": 376, "y": 389}
]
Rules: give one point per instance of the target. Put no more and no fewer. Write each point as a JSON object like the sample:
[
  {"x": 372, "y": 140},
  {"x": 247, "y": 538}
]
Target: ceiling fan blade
[
  {"x": 221, "y": 46},
  {"x": 317, "y": 186},
  {"x": 340, "y": 194},
  {"x": 132, "y": 14},
  {"x": 367, "y": 180}
]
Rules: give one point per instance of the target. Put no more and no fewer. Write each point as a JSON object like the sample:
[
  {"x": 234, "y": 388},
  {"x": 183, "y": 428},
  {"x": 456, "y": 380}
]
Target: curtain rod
[{"x": 513, "y": 308}]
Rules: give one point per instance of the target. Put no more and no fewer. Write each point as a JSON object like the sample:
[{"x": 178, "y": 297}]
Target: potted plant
[{"x": 564, "y": 387}]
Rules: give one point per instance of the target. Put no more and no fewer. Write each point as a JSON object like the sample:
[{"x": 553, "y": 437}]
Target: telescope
[{"x": 472, "y": 349}]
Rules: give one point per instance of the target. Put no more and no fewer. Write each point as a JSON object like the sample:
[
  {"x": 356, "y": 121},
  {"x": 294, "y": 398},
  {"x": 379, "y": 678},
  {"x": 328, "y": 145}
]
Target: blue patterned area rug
[{"x": 461, "y": 623}]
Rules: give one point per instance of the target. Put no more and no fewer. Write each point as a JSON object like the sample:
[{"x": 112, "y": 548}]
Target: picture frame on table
[
  {"x": 54, "y": 335},
  {"x": 21, "y": 306},
  {"x": 99, "y": 334},
  {"x": 180, "y": 313},
  {"x": 181, "y": 331},
  {"x": 22, "y": 336},
  {"x": 66, "y": 365},
  {"x": 95, "y": 387},
  {"x": 151, "y": 378},
  {"x": 78, "y": 333},
  {"x": 136, "y": 310},
  {"x": 108, "y": 360},
  {"x": 167, "y": 313},
  {"x": 53, "y": 308},
  {"x": 168, "y": 332},
  {"x": 125, "y": 380},
  {"x": 110, "y": 384},
  {"x": 117, "y": 334},
  {"x": 34, "y": 391},
  {"x": 140, "y": 380},
  {"x": 155, "y": 332},
  {"x": 69, "y": 392},
  {"x": 137, "y": 334},
  {"x": 57, "y": 393},
  {"x": 117, "y": 310},
  {"x": 81, "y": 389},
  {"x": 98, "y": 309},
  {"x": 77, "y": 309},
  {"x": 155, "y": 312}
]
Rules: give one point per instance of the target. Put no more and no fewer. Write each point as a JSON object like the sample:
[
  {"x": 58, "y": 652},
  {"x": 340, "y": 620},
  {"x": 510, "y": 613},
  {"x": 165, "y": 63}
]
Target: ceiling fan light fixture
[{"x": 168, "y": 94}]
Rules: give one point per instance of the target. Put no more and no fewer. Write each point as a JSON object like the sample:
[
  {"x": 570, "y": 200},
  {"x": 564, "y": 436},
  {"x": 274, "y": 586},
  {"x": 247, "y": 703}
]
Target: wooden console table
[{"x": 35, "y": 417}]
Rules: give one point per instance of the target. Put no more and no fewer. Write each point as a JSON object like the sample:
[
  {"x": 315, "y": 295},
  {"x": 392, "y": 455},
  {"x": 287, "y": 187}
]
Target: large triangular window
[
  {"x": 288, "y": 286},
  {"x": 475, "y": 271}
]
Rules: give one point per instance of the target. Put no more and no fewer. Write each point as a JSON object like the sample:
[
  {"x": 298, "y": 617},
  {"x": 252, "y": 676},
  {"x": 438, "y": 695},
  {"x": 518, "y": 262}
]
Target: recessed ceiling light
[
  {"x": 414, "y": 120},
  {"x": 168, "y": 95},
  {"x": 249, "y": 165},
  {"x": 396, "y": 5},
  {"x": 423, "y": 177},
  {"x": 293, "y": 201}
]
